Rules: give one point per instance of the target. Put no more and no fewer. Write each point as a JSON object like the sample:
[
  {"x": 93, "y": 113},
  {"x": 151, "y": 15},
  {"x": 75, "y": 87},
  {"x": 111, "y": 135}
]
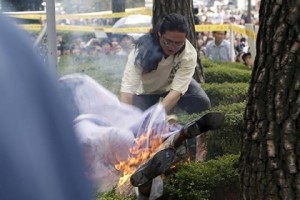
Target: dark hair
[
  {"x": 105, "y": 41},
  {"x": 245, "y": 55},
  {"x": 149, "y": 50}
]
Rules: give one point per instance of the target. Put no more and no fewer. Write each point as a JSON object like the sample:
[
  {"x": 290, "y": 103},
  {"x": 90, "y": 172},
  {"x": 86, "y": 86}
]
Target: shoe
[
  {"x": 156, "y": 166},
  {"x": 209, "y": 121}
]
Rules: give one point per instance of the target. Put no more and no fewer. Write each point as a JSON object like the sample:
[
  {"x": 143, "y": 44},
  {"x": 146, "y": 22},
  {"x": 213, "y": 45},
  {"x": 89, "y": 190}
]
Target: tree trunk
[
  {"x": 270, "y": 159},
  {"x": 185, "y": 8},
  {"x": 117, "y": 6}
]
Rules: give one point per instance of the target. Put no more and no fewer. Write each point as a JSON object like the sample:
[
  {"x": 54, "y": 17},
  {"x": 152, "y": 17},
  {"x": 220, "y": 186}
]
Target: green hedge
[
  {"x": 213, "y": 180},
  {"x": 221, "y": 74},
  {"x": 227, "y": 139},
  {"x": 226, "y": 93},
  {"x": 208, "y": 64},
  {"x": 113, "y": 195}
]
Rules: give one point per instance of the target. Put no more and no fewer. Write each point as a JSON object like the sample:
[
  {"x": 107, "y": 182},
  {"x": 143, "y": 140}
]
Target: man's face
[
  {"x": 219, "y": 36},
  {"x": 249, "y": 61},
  {"x": 172, "y": 41}
]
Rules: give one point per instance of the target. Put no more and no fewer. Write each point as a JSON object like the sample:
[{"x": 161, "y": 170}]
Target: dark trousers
[{"x": 195, "y": 100}]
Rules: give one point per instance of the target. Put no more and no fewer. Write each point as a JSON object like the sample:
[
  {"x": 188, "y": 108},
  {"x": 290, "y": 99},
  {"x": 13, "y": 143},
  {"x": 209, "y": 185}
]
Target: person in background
[
  {"x": 218, "y": 49},
  {"x": 239, "y": 57},
  {"x": 106, "y": 47},
  {"x": 247, "y": 59},
  {"x": 127, "y": 43}
]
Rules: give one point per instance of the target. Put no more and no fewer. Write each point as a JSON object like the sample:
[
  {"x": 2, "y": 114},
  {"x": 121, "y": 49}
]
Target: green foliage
[
  {"x": 222, "y": 74},
  {"x": 203, "y": 180},
  {"x": 106, "y": 70},
  {"x": 226, "y": 93},
  {"x": 209, "y": 64},
  {"x": 114, "y": 195},
  {"x": 227, "y": 139}
]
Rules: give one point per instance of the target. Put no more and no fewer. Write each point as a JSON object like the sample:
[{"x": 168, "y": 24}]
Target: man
[
  {"x": 247, "y": 59},
  {"x": 218, "y": 49},
  {"x": 161, "y": 67}
]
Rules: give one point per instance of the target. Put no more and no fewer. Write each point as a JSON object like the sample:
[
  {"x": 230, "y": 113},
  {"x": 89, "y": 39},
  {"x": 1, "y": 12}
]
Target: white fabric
[{"x": 106, "y": 129}]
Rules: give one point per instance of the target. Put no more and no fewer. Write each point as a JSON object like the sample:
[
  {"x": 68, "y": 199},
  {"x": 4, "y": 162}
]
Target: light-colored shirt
[
  {"x": 173, "y": 73},
  {"x": 218, "y": 53}
]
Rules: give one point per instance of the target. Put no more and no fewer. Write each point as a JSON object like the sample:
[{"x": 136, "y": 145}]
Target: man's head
[
  {"x": 247, "y": 58},
  {"x": 219, "y": 36},
  {"x": 172, "y": 33}
]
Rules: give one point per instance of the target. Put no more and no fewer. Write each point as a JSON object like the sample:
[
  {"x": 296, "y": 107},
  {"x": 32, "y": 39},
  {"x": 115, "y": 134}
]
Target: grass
[{"x": 106, "y": 70}]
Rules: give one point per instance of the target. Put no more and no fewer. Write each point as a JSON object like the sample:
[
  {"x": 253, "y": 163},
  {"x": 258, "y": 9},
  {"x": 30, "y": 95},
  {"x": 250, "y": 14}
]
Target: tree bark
[
  {"x": 185, "y": 8},
  {"x": 270, "y": 159},
  {"x": 117, "y": 6}
]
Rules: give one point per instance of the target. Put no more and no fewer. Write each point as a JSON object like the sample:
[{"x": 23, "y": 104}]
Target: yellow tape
[
  {"x": 29, "y": 16},
  {"x": 199, "y": 28},
  {"x": 75, "y": 28},
  {"x": 242, "y": 30},
  {"x": 94, "y": 15},
  {"x": 129, "y": 30},
  {"x": 213, "y": 27},
  {"x": 31, "y": 27}
]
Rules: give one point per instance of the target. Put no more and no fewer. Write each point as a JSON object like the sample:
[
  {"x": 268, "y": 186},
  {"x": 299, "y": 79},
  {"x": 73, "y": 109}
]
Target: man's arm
[
  {"x": 171, "y": 100},
  {"x": 130, "y": 81},
  {"x": 126, "y": 98}
]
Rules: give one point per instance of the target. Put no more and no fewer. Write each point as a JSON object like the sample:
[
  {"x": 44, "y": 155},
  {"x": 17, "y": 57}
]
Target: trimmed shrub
[
  {"x": 227, "y": 139},
  {"x": 226, "y": 93},
  {"x": 222, "y": 74},
  {"x": 208, "y": 63},
  {"x": 213, "y": 180},
  {"x": 113, "y": 195}
]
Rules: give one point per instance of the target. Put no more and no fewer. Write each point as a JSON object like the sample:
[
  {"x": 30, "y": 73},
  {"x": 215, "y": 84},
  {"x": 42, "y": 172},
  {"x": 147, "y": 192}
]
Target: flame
[{"x": 139, "y": 154}]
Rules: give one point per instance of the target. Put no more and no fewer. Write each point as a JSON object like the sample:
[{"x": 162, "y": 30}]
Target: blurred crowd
[
  {"x": 216, "y": 45},
  {"x": 212, "y": 45},
  {"x": 114, "y": 45}
]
